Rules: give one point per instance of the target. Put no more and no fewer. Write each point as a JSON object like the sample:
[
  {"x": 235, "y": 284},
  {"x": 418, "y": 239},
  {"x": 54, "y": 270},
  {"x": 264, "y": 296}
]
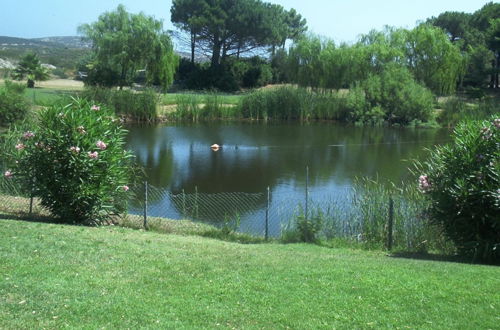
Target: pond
[{"x": 192, "y": 181}]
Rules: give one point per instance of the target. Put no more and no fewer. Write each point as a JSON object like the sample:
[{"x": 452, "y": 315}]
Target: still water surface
[{"x": 257, "y": 155}]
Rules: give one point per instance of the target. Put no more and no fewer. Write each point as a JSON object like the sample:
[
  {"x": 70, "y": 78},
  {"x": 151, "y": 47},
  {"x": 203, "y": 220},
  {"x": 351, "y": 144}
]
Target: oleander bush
[
  {"x": 462, "y": 182},
  {"x": 74, "y": 160}
]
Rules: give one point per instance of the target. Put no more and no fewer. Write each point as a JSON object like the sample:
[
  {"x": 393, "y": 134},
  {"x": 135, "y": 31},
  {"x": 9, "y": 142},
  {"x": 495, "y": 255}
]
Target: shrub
[
  {"x": 401, "y": 97},
  {"x": 75, "y": 160},
  {"x": 13, "y": 106},
  {"x": 462, "y": 180},
  {"x": 305, "y": 230}
]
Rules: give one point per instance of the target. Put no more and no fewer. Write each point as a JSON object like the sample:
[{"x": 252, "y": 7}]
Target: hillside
[
  {"x": 55, "y": 276},
  {"x": 61, "y": 52}
]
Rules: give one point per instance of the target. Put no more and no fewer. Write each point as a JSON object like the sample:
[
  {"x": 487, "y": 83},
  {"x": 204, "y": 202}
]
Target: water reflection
[{"x": 254, "y": 156}]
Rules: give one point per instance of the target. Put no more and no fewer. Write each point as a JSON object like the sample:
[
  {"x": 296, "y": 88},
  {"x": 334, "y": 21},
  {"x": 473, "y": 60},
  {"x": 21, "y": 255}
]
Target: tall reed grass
[
  {"x": 211, "y": 107},
  {"x": 456, "y": 110},
  {"x": 362, "y": 218},
  {"x": 290, "y": 103},
  {"x": 136, "y": 106}
]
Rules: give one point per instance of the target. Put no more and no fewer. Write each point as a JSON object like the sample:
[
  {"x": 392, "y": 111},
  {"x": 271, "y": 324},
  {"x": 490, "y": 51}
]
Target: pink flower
[
  {"x": 81, "y": 130},
  {"x": 28, "y": 135},
  {"x": 95, "y": 108},
  {"x": 125, "y": 188},
  {"x": 74, "y": 149},
  {"x": 20, "y": 146},
  {"x": 8, "y": 174},
  {"x": 93, "y": 155},
  {"x": 423, "y": 183},
  {"x": 101, "y": 145}
]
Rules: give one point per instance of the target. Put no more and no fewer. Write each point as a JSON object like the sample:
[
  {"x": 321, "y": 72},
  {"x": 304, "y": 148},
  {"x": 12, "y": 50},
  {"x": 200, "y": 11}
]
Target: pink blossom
[
  {"x": 95, "y": 108},
  {"x": 8, "y": 174},
  {"x": 28, "y": 135},
  {"x": 93, "y": 155},
  {"x": 423, "y": 183},
  {"x": 125, "y": 188},
  {"x": 74, "y": 149},
  {"x": 101, "y": 145},
  {"x": 20, "y": 146}
]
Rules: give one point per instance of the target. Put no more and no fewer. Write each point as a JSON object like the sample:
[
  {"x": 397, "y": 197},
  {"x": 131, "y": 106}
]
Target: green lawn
[
  {"x": 54, "y": 276},
  {"x": 47, "y": 96}
]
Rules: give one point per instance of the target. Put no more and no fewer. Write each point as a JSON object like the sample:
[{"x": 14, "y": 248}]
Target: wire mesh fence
[{"x": 370, "y": 215}]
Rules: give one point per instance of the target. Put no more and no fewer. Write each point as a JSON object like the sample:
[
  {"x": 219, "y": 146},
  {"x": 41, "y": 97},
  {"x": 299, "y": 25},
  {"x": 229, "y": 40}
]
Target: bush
[
  {"x": 462, "y": 180},
  {"x": 13, "y": 106},
  {"x": 402, "y": 99},
  {"x": 304, "y": 230},
  {"x": 75, "y": 160}
]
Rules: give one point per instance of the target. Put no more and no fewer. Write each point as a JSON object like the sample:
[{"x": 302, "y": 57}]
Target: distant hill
[
  {"x": 58, "y": 42},
  {"x": 61, "y": 52}
]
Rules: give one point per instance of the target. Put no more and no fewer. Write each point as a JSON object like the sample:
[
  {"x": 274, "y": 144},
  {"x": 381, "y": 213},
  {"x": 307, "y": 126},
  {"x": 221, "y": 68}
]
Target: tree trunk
[
  {"x": 216, "y": 52},
  {"x": 31, "y": 83},
  {"x": 193, "y": 45}
]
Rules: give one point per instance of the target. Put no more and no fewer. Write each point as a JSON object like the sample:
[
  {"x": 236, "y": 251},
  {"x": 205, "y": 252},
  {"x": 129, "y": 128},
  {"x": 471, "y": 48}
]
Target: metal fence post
[
  {"x": 196, "y": 202},
  {"x": 267, "y": 213},
  {"x": 145, "y": 205},
  {"x": 183, "y": 203},
  {"x": 31, "y": 197},
  {"x": 307, "y": 192},
  {"x": 390, "y": 224}
]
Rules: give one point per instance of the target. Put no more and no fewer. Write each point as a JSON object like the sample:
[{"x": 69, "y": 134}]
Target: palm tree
[{"x": 30, "y": 67}]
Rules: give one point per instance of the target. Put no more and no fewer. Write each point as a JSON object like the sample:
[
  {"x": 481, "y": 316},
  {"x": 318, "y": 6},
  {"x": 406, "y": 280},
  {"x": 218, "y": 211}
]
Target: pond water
[{"x": 178, "y": 160}]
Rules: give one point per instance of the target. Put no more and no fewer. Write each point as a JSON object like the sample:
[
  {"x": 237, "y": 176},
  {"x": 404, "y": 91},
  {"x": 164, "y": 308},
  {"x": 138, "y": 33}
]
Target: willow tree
[
  {"x": 124, "y": 43},
  {"x": 433, "y": 59}
]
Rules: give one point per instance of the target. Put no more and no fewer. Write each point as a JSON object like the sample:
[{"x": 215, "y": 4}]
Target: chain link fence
[{"x": 371, "y": 215}]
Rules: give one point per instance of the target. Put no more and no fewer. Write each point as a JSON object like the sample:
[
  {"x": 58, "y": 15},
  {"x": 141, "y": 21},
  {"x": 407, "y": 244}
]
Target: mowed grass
[{"x": 54, "y": 276}]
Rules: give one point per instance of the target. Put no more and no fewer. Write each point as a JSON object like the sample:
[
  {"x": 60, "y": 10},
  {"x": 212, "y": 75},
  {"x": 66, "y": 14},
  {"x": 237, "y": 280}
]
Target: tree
[
  {"x": 455, "y": 24},
  {"x": 31, "y": 68},
  {"x": 123, "y": 43},
  {"x": 433, "y": 59},
  {"x": 225, "y": 28}
]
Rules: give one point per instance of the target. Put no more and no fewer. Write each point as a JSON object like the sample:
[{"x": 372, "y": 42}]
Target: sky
[{"x": 340, "y": 20}]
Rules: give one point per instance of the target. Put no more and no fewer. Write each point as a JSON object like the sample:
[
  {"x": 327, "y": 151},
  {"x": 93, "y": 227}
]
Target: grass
[
  {"x": 47, "y": 96},
  {"x": 172, "y": 98},
  {"x": 55, "y": 276}
]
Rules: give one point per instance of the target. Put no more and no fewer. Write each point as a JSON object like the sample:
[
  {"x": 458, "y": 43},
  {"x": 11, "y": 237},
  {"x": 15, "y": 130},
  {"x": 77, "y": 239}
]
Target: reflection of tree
[{"x": 256, "y": 156}]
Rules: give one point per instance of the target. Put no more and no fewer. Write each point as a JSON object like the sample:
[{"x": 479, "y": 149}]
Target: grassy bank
[{"x": 64, "y": 276}]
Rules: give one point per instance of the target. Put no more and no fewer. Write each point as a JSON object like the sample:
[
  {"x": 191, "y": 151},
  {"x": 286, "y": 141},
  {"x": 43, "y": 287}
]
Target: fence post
[
  {"x": 267, "y": 213},
  {"x": 145, "y": 205},
  {"x": 183, "y": 204},
  {"x": 31, "y": 197},
  {"x": 390, "y": 224},
  {"x": 196, "y": 201},
  {"x": 307, "y": 192}
]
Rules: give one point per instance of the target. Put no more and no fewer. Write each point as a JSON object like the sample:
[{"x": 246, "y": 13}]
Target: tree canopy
[
  {"x": 30, "y": 67},
  {"x": 225, "y": 28},
  {"x": 475, "y": 35},
  {"x": 425, "y": 51},
  {"x": 124, "y": 43}
]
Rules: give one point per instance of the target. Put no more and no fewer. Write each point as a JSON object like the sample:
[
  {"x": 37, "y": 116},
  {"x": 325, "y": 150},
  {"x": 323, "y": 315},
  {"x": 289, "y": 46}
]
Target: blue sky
[{"x": 341, "y": 20}]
